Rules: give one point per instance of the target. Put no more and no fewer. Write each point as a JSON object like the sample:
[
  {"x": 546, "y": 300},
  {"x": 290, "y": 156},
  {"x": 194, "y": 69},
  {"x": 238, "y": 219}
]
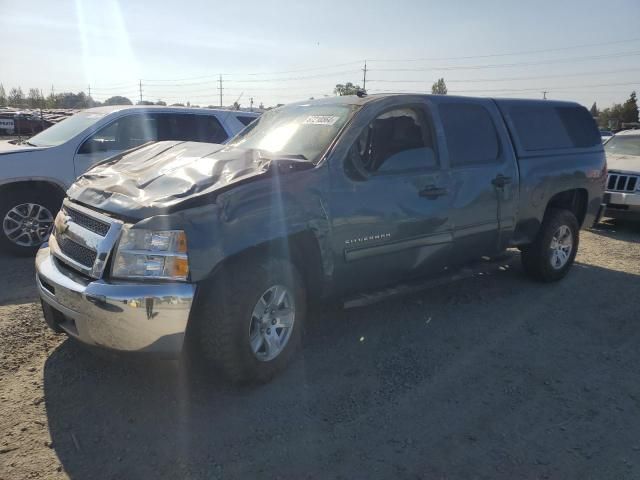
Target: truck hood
[
  {"x": 625, "y": 163},
  {"x": 158, "y": 178}
]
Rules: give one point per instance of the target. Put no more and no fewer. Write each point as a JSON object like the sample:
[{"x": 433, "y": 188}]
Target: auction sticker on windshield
[{"x": 321, "y": 120}]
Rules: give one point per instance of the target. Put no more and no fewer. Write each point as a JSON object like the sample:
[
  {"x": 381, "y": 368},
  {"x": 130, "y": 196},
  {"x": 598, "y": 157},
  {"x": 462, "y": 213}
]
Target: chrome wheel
[
  {"x": 27, "y": 224},
  {"x": 272, "y": 322},
  {"x": 561, "y": 247}
]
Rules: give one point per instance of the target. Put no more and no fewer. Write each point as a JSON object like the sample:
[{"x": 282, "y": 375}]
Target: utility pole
[
  {"x": 140, "y": 91},
  {"x": 220, "y": 88},
  {"x": 41, "y": 105},
  {"x": 544, "y": 95},
  {"x": 251, "y": 103},
  {"x": 89, "y": 102},
  {"x": 364, "y": 76}
]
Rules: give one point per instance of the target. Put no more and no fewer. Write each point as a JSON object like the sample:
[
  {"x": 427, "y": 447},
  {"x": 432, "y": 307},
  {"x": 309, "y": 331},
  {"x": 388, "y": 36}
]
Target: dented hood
[{"x": 157, "y": 178}]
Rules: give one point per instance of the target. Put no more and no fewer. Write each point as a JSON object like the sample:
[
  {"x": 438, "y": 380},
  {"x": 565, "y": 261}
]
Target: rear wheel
[
  {"x": 551, "y": 255},
  {"x": 250, "y": 318},
  {"x": 26, "y": 218}
]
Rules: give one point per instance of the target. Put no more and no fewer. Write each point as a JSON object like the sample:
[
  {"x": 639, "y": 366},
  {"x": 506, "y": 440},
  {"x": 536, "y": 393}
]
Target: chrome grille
[
  {"x": 83, "y": 238},
  {"x": 617, "y": 182},
  {"x": 90, "y": 223},
  {"x": 76, "y": 252}
]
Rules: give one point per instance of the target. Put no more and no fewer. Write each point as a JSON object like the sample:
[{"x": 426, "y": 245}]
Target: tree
[
  {"x": 629, "y": 111},
  {"x": 261, "y": 106},
  {"x": 144, "y": 102},
  {"x": 346, "y": 89},
  {"x": 3, "y": 96},
  {"x": 16, "y": 97},
  {"x": 236, "y": 106},
  {"x": 118, "y": 100},
  {"x": 160, "y": 102},
  {"x": 177, "y": 104},
  {"x": 611, "y": 117},
  {"x": 439, "y": 87},
  {"x": 34, "y": 98},
  {"x": 594, "y": 110}
]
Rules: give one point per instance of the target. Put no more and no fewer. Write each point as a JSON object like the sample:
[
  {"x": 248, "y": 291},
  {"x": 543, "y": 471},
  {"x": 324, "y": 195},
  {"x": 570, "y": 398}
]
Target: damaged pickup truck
[{"x": 224, "y": 246}]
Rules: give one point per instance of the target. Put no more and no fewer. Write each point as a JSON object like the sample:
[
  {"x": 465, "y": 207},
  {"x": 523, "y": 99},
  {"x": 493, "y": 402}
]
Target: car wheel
[
  {"x": 250, "y": 318},
  {"x": 551, "y": 255},
  {"x": 26, "y": 219}
]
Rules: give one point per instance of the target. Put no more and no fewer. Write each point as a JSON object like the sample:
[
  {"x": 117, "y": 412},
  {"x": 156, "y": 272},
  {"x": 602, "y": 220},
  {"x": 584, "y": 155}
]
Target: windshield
[
  {"x": 65, "y": 130},
  {"x": 623, "y": 145},
  {"x": 303, "y": 131}
]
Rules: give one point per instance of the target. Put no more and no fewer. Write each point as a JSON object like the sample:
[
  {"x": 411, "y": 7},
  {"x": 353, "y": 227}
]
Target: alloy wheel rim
[
  {"x": 272, "y": 321},
  {"x": 27, "y": 224},
  {"x": 561, "y": 247}
]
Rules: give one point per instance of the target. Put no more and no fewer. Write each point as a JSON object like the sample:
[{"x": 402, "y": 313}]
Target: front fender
[{"x": 257, "y": 213}]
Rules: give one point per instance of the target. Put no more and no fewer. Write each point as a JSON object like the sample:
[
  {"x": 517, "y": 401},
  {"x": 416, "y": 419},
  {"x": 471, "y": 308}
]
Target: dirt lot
[{"x": 492, "y": 377}]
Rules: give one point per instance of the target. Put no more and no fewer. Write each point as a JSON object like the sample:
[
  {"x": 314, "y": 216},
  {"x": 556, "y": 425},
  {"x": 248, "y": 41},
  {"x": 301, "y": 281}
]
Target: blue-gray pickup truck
[{"x": 221, "y": 247}]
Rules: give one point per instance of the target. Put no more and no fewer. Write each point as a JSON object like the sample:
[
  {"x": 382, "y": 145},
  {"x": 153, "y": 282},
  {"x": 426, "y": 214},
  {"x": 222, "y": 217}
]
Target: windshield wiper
[{"x": 30, "y": 144}]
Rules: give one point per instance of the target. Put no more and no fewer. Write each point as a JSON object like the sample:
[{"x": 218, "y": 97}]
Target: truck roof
[{"x": 356, "y": 100}]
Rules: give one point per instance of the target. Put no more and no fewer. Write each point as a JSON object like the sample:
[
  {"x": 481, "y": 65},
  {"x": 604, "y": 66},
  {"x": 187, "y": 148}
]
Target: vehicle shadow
[
  {"x": 492, "y": 376},
  {"x": 624, "y": 230},
  {"x": 17, "y": 283}
]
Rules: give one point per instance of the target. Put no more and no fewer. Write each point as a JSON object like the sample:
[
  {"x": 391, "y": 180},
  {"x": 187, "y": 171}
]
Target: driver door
[
  {"x": 389, "y": 203},
  {"x": 122, "y": 134}
]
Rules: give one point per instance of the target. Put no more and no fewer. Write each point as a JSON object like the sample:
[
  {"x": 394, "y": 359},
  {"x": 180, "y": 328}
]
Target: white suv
[
  {"x": 34, "y": 174},
  {"x": 623, "y": 183}
]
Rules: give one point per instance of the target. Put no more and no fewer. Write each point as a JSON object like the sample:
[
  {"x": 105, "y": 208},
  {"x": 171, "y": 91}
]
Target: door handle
[
  {"x": 501, "y": 181},
  {"x": 432, "y": 192}
]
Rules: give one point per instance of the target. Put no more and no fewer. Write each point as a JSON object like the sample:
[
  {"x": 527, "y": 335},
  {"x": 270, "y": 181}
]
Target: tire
[
  {"x": 550, "y": 257},
  {"x": 15, "y": 203},
  {"x": 224, "y": 319}
]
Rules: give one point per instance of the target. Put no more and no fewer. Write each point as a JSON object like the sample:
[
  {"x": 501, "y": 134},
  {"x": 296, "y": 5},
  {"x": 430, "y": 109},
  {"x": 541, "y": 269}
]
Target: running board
[{"x": 484, "y": 266}]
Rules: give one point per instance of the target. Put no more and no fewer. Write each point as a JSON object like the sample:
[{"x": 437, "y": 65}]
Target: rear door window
[
  {"x": 471, "y": 135},
  {"x": 553, "y": 127},
  {"x": 191, "y": 127}
]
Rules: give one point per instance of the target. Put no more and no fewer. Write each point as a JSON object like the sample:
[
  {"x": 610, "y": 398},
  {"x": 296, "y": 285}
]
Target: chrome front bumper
[
  {"x": 623, "y": 205},
  {"x": 131, "y": 317}
]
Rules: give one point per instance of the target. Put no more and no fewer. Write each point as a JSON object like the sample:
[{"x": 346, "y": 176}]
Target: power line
[
  {"x": 506, "y": 54},
  {"x": 505, "y": 79},
  {"x": 309, "y": 69},
  {"x": 261, "y": 80},
  {"x": 533, "y": 89},
  {"x": 507, "y": 65}
]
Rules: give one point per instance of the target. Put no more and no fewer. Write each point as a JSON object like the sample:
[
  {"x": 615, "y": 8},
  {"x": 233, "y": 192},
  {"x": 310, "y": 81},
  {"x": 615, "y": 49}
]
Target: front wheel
[
  {"x": 551, "y": 255},
  {"x": 249, "y": 319}
]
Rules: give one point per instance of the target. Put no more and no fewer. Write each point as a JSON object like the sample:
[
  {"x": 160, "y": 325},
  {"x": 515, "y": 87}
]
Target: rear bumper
[{"x": 130, "y": 317}]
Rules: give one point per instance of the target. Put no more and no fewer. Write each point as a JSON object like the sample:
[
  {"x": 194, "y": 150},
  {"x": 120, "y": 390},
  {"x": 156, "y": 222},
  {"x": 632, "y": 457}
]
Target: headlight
[{"x": 150, "y": 254}]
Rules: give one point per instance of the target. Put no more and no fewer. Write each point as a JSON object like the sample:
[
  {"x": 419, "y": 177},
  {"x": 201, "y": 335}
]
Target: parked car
[
  {"x": 35, "y": 173},
  {"x": 605, "y": 135},
  {"x": 323, "y": 198},
  {"x": 623, "y": 183}
]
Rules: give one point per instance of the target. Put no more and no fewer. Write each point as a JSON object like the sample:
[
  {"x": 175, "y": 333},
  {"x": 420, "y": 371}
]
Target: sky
[{"x": 282, "y": 51}]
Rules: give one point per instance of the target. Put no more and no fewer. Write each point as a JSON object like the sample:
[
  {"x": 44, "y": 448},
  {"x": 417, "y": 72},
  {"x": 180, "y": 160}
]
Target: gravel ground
[{"x": 491, "y": 377}]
